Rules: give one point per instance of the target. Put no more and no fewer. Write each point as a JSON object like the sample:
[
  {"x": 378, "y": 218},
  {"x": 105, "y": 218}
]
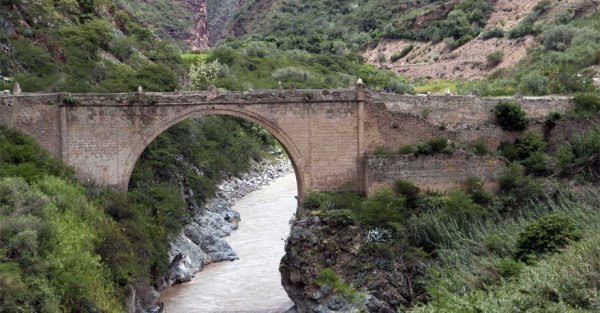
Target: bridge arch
[{"x": 284, "y": 139}]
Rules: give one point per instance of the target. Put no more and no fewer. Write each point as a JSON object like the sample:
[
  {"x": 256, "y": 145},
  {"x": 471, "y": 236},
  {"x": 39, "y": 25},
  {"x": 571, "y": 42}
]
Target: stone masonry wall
[
  {"x": 440, "y": 172},
  {"x": 461, "y": 112}
]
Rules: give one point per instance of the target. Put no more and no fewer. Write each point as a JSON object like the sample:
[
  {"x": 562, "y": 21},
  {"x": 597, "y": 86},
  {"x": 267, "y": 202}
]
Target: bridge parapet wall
[{"x": 467, "y": 111}]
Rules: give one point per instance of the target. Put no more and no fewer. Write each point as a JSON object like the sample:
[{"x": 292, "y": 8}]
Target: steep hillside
[
  {"x": 191, "y": 24},
  {"x": 442, "y": 60},
  {"x": 449, "y": 40},
  {"x": 82, "y": 46}
]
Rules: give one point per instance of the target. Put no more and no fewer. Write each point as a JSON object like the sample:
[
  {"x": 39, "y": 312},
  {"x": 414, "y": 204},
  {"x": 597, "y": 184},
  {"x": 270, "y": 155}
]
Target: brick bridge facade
[{"x": 327, "y": 134}]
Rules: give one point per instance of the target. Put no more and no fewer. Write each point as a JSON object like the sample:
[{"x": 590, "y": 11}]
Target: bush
[
  {"x": 400, "y": 86},
  {"x": 338, "y": 217},
  {"x": 480, "y": 148},
  {"x": 511, "y": 117},
  {"x": 587, "y": 103},
  {"x": 329, "y": 278},
  {"x": 508, "y": 268},
  {"x": 534, "y": 84},
  {"x": 495, "y": 57},
  {"x": 463, "y": 208},
  {"x": 525, "y": 27},
  {"x": 495, "y": 32},
  {"x": 402, "y": 53},
  {"x": 547, "y": 234},
  {"x": 552, "y": 118},
  {"x": 383, "y": 209},
  {"x": 517, "y": 190},
  {"x": 314, "y": 200},
  {"x": 558, "y": 38},
  {"x": 529, "y": 144},
  {"x": 474, "y": 187},
  {"x": 435, "y": 145},
  {"x": 406, "y": 149},
  {"x": 408, "y": 190}
]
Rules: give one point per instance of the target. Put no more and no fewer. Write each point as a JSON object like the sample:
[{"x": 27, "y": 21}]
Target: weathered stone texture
[
  {"x": 461, "y": 112},
  {"x": 439, "y": 172},
  {"x": 327, "y": 133}
]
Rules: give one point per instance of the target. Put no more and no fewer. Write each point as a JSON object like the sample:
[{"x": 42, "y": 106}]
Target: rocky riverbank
[{"x": 201, "y": 241}]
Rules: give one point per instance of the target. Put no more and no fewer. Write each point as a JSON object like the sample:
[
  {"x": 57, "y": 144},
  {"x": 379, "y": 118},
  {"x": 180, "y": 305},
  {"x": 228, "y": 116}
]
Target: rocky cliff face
[
  {"x": 199, "y": 37},
  {"x": 372, "y": 273}
]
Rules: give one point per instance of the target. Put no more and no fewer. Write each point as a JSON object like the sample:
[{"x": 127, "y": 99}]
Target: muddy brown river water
[{"x": 251, "y": 284}]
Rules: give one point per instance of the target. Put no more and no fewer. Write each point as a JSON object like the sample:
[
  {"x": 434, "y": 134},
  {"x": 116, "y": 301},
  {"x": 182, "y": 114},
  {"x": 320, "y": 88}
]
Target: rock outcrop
[
  {"x": 376, "y": 275},
  {"x": 199, "y": 37}
]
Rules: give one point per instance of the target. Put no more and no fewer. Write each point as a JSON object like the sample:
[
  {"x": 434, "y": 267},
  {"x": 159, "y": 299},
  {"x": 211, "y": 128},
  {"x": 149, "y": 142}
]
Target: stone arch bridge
[{"x": 328, "y": 134}]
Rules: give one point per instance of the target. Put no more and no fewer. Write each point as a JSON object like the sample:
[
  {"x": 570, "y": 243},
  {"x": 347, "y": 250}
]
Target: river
[{"x": 251, "y": 284}]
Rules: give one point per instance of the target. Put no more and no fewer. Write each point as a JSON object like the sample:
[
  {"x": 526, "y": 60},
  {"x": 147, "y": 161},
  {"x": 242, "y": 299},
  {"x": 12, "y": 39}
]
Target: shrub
[
  {"x": 525, "y": 27},
  {"x": 511, "y": 117},
  {"x": 552, "y": 118},
  {"x": 69, "y": 99},
  {"x": 480, "y": 148},
  {"x": 382, "y": 210},
  {"x": 534, "y": 84},
  {"x": 474, "y": 187},
  {"x": 435, "y": 145},
  {"x": 495, "y": 57},
  {"x": 314, "y": 200},
  {"x": 508, "y": 268},
  {"x": 400, "y": 86},
  {"x": 382, "y": 151},
  {"x": 558, "y": 38},
  {"x": 292, "y": 74},
  {"x": 406, "y": 149},
  {"x": 587, "y": 102},
  {"x": 402, "y": 53},
  {"x": 329, "y": 278},
  {"x": 517, "y": 190},
  {"x": 547, "y": 234},
  {"x": 495, "y": 32},
  {"x": 338, "y": 217},
  {"x": 408, "y": 190},
  {"x": 537, "y": 163},
  {"x": 531, "y": 143},
  {"x": 462, "y": 207}
]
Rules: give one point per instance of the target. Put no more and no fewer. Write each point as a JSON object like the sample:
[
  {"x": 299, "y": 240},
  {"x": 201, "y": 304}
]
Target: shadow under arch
[{"x": 288, "y": 145}]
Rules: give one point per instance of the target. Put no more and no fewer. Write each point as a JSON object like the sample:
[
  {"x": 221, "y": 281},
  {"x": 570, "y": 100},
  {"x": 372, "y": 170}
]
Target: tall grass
[{"x": 465, "y": 277}]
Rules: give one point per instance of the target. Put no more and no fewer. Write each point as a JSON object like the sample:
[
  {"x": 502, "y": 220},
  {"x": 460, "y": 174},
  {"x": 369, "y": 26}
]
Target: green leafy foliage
[
  {"x": 434, "y": 146},
  {"x": 402, "y": 53},
  {"x": 84, "y": 46},
  {"x": 547, "y": 234},
  {"x": 510, "y": 116}
]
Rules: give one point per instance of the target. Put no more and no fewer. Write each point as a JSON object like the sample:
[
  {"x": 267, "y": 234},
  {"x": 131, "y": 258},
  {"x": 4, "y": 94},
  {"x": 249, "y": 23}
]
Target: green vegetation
[
  {"x": 83, "y": 46},
  {"x": 216, "y": 146},
  {"x": 463, "y": 23},
  {"x": 477, "y": 250},
  {"x": 511, "y": 116},
  {"x": 75, "y": 248},
  {"x": 399, "y": 55},
  {"x": 560, "y": 65},
  {"x": 261, "y": 65},
  {"x": 547, "y": 234},
  {"x": 434, "y": 146}
]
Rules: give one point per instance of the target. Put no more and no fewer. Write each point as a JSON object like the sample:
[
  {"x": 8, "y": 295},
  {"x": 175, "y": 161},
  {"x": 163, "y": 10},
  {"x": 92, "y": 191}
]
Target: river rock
[{"x": 216, "y": 248}]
